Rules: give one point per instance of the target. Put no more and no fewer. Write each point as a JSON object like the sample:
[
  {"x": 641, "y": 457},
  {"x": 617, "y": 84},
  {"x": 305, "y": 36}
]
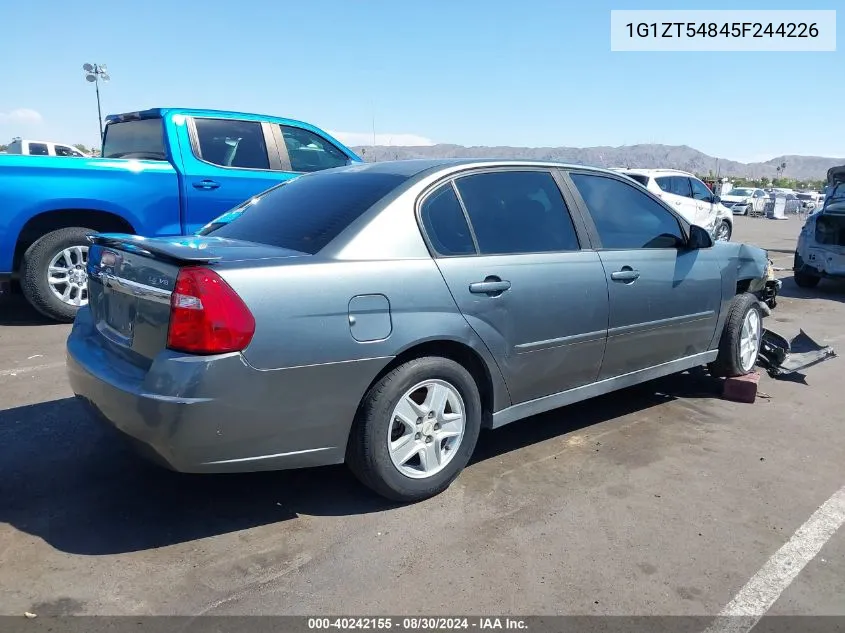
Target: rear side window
[
  {"x": 142, "y": 139},
  {"x": 678, "y": 185},
  {"x": 625, "y": 216},
  {"x": 308, "y": 212},
  {"x": 230, "y": 143},
  {"x": 64, "y": 150},
  {"x": 445, "y": 223},
  {"x": 311, "y": 152},
  {"x": 38, "y": 149},
  {"x": 517, "y": 212},
  {"x": 643, "y": 180}
]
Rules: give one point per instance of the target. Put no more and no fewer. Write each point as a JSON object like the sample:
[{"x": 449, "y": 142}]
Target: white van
[{"x": 43, "y": 148}]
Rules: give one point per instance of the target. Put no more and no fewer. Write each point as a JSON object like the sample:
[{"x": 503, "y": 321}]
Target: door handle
[
  {"x": 627, "y": 274},
  {"x": 206, "y": 184},
  {"x": 678, "y": 202},
  {"x": 490, "y": 286}
]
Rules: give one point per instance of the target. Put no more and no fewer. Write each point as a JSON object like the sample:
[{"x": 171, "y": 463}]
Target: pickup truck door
[{"x": 224, "y": 162}]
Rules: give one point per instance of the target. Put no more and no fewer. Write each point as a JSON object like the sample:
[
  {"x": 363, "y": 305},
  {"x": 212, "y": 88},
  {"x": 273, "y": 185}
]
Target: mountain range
[{"x": 644, "y": 156}]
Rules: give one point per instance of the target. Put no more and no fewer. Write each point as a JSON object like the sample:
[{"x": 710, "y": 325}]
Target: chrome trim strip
[
  {"x": 574, "y": 339},
  {"x": 150, "y": 293}
]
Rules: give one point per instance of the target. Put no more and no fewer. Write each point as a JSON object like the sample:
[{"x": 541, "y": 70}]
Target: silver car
[{"x": 384, "y": 314}]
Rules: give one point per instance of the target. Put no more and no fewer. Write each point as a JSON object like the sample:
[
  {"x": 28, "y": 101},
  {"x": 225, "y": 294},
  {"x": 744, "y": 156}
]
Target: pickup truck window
[
  {"x": 38, "y": 149},
  {"x": 231, "y": 143},
  {"x": 311, "y": 152},
  {"x": 141, "y": 138}
]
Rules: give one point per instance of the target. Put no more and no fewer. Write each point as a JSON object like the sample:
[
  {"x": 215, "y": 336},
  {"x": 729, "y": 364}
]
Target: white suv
[
  {"x": 690, "y": 197},
  {"x": 43, "y": 148}
]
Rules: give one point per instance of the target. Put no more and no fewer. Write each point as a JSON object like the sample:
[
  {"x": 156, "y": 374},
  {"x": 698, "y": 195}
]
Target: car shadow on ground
[
  {"x": 15, "y": 310},
  {"x": 77, "y": 485}
]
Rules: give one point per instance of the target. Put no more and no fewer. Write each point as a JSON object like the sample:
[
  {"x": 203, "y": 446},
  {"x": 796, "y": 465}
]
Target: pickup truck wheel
[
  {"x": 741, "y": 338},
  {"x": 416, "y": 429},
  {"x": 53, "y": 275}
]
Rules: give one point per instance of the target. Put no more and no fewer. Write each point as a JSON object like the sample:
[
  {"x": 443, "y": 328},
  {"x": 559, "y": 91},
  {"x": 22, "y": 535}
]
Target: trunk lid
[{"x": 131, "y": 279}]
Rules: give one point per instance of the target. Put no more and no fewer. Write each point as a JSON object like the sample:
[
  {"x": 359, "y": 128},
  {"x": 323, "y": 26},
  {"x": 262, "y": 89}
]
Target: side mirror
[
  {"x": 698, "y": 238},
  {"x": 716, "y": 199}
]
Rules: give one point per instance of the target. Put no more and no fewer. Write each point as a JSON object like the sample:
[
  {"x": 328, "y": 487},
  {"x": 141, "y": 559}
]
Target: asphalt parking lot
[{"x": 662, "y": 499}]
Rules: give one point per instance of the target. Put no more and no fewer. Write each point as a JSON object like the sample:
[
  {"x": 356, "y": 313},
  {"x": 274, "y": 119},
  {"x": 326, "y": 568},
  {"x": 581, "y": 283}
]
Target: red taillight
[{"x": 206, "y": 315}]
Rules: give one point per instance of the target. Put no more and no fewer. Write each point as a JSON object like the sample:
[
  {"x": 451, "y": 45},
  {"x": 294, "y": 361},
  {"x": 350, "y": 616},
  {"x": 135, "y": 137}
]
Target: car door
[
  {"x": 664, "y": 299},
  {"x": 228, "y": 161},
  {"x": 508, "y": 249},
  {"x": 706, "y": 209},
  {"x": 304, "y": 151}
]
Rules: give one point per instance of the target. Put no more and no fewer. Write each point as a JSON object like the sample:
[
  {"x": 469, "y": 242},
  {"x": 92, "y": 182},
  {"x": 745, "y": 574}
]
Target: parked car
[
  {"x": 383, "y": 314},
  {"x": 791, "y": 205},
  {"x": 44, "y": 148},
  {"x": 820, "y": 252},
  {"x": 689, "y": 196},
  {"x": 162, "y": 172},
  {"x": 745, "y": 200}
]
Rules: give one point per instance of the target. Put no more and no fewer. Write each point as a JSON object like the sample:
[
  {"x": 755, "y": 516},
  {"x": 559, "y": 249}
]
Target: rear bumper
[
  {"x": 219, "y": 414},
  {"x": 832, "y": 269}
]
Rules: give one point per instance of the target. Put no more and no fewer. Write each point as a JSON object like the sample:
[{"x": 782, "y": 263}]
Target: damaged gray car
[
  {"x": 820, "y": 253},
  {"x": 383, "y": 314}
]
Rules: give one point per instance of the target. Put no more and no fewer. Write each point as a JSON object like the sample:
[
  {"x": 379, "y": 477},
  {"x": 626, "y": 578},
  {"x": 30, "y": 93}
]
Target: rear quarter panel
[{"x": 145, "y": 193}]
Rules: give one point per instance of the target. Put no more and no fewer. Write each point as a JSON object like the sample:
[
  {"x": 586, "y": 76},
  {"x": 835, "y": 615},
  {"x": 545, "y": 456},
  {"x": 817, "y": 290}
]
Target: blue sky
[{"x": 471, "y": 72}]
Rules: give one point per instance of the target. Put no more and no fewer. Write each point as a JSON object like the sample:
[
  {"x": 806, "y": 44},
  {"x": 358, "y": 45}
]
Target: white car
[
  {"x": 43, "y": 148},
  {"x": 688, "y": 196},
  {"x": 745, "y": 200}
]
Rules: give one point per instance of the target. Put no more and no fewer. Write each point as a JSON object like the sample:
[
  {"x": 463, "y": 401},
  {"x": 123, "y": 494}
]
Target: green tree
[
  {"x": 82, "y": 148},
  {"x": 3, "y": 148}
]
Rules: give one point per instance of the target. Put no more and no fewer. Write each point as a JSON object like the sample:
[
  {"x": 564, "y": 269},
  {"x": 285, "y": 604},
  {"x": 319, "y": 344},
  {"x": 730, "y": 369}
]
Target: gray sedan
[{"x": 382, "y": 315}]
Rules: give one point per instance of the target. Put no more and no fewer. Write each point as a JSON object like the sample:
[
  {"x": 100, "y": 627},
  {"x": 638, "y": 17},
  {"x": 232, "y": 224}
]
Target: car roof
[
  {"x": 656, "y": 172},
  {"x": 421, "y": 166}
]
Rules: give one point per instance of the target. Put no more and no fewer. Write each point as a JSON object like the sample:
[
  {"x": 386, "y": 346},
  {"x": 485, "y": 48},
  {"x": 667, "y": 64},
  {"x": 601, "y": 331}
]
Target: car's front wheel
[
  {"x": 723, "y": 231},
  {"x": 741, "y": 338},
  {"x": 416, "y": 429}
]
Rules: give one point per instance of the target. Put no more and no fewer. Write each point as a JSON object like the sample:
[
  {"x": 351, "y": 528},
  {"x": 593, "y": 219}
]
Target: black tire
[
  {"x": 728, "y": 363},
  {"x": 367, "y": 452},
  {"x": 802, "y": 279},
  {"x": 728, "y": 229},
  {"x": 34, "y": 275}
]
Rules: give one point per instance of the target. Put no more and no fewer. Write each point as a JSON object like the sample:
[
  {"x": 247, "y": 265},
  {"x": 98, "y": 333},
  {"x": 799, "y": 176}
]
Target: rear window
[
  {"x": 643, "y": 180},
  {"x": 142, "y": 139},
  {"x": 308, "y": 212}
]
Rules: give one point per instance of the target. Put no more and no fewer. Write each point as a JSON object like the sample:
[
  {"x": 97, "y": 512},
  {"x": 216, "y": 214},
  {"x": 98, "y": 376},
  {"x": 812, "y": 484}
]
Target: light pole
[{"x": 96, "y": 73}]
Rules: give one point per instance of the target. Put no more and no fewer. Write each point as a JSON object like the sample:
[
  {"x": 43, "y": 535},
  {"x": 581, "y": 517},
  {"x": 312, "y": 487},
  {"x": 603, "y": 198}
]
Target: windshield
[
  {"x": 740, "y": 192},
  {"x": 143, "y": 139},
  {"x": 306, "y": 213}
]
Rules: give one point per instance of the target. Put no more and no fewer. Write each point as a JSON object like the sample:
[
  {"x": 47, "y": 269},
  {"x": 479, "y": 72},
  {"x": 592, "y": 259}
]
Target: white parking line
[
  {"x": 14, "y": 371},
  {"x": 765, "y": 587}
]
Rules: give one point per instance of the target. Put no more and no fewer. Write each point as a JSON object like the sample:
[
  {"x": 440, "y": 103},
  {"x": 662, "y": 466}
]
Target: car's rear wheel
[
  {"x": 741, "y": 338},
  {"x": 54, "y": 278},
  {"x": 416, "y": 429}
]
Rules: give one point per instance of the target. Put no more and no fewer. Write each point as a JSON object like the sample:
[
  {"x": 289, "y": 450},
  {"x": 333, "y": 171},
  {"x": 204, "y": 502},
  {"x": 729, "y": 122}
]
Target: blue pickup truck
[{"x": 165, "y": 171}]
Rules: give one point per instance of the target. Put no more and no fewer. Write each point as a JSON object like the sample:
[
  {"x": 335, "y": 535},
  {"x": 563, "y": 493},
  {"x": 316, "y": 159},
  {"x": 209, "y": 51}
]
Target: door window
[
  {"x": 445, "y": 223},
  {"x": 64, "y": 150},
  {"x": 38, "y": 149},
  {"x": 517, "y": 212},
  {"x": 677, "y": 185},
  {"x": 626, "y": 217},
  {"x": 231, "y": 143},
  {"x": 311, "y": 152},
  {"x": 700, "y": 190}
]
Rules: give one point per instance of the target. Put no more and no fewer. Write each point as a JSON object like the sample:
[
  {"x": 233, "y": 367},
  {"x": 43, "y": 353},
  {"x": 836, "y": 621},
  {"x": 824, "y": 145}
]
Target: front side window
[
  {"x": 700, "y": 190},
  {"x": 309, "y": 151},
  {"x": 625, "y": 217},
  {"x": 38, "y": 149},
  {"x": 230, "y": 143},
  {"x": 445, "y": 223},
  {"x": 517, "y": 212}
]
